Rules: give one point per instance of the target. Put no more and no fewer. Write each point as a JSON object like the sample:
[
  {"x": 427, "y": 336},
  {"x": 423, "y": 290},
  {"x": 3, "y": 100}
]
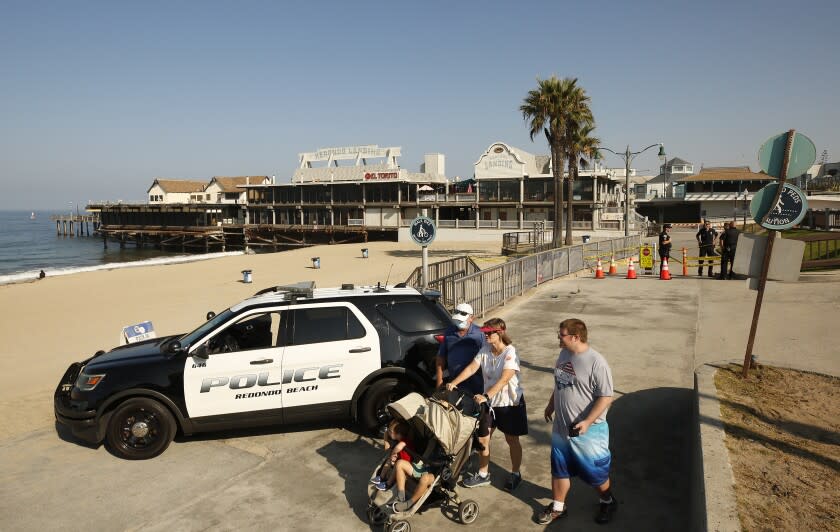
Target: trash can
[
  {"x": 364, "y": 253},
  {"x": 316, "y": 263},
  {"x": 585, "y": 239},
  {"x": 246, "y": 276}
]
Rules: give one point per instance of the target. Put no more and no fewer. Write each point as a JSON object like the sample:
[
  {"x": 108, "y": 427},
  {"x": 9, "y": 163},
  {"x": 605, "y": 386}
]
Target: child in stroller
[
  {"x": 443, "y": 435},
  {"x": 398, "y": 447}
]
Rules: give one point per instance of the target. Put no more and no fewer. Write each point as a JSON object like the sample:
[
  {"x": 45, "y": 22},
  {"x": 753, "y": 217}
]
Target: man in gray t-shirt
[{"x": 580, "y": 439}]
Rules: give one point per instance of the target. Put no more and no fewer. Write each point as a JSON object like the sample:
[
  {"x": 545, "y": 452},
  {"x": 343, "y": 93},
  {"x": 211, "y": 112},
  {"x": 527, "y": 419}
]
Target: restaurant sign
[{"x": 380, "y": 176}]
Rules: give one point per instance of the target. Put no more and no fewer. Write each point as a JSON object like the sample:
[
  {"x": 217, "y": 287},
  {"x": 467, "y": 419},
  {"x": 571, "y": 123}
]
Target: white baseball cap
[{"x": 462, "y": 312}]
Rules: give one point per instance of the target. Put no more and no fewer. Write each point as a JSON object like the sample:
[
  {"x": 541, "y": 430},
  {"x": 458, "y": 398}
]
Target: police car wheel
[
  {"x": 372, "y": 411},
  {"x": 140, "y": 428}
]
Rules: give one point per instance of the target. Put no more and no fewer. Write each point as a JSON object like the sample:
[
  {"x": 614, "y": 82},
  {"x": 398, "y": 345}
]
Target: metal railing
[
  {"x": 445, "y": 269},
  {"x": 488, "y": 289}
]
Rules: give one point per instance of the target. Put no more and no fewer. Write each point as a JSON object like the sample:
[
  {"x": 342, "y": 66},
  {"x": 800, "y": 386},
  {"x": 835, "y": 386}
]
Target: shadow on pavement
[{"x": 651, "y": 442}]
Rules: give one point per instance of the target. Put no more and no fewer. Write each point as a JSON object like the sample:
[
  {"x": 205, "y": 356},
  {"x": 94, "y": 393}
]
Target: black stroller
[{"x": 444, "y": 429}]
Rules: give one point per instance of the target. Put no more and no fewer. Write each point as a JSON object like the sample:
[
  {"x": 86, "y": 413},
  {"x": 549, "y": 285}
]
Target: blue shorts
[{"x": 586, "y": 456}]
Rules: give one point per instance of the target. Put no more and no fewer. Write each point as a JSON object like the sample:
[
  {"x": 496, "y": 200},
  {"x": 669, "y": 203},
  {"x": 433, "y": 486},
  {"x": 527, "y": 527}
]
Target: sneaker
[
  {"x": 549, "y": 515},
  {"x": 376, "y": 480},
  {"x": 513, "y": 481},
  {"x": 476, "y": 481},
  {"x": 606, "y": 511},
  {"x": 381, "y": 486}
]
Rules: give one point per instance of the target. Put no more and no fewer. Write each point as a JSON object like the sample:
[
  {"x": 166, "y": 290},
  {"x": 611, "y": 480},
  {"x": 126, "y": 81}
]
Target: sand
[{"x": 47, "y": 324}]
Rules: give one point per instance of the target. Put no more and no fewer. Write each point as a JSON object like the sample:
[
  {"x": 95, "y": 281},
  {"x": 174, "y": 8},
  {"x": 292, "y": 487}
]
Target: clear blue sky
[{"x": 99, "y": 98}]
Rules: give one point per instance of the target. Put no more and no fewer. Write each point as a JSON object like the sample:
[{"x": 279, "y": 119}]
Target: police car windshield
[{"x": 188, "y": 339}]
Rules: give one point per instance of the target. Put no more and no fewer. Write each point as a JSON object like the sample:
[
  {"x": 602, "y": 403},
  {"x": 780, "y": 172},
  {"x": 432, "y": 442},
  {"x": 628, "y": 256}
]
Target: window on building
[{"x": 509, "y": 190}]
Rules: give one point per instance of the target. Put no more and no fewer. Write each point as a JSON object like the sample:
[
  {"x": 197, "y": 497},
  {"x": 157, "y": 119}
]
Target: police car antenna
[{"x": 389, "y": 274}]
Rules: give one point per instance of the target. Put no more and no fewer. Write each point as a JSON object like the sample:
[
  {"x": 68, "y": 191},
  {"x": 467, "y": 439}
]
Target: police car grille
[{"x": 70, "y": 377}]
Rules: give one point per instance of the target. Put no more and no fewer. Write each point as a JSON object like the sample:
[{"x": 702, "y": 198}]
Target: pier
[{"x": 75, "y": 224}]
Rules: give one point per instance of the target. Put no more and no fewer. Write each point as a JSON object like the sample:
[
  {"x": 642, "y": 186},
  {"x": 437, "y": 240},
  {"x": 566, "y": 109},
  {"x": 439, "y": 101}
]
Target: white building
[{"x": 166, "y": 191}]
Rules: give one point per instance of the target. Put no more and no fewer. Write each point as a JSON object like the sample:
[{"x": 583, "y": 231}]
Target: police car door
[
  {"x": 331, "y": 348},
  {"x": 242, "y": 370}
]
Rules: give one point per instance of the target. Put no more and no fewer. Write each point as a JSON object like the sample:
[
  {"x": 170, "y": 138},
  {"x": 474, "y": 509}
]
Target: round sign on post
[
  {"x": 771, "y": 155},
  {"x": 422, "y": 230},
  {"x": 788, "y": 212}
]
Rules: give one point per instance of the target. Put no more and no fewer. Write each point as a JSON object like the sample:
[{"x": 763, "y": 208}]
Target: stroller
[{"x": 443, "y": 428}]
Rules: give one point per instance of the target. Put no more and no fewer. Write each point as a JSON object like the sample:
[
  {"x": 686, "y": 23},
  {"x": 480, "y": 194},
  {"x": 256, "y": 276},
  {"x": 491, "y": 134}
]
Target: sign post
[
  {"x": 646, "y": 258},
  {"x": 779, "y": 155},
  {"x": 422, "y": 230}
]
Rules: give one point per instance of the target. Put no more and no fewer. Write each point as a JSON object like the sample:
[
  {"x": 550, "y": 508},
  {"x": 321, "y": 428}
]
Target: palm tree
[
  {"x": 579, "y": 143},
  {"x": 544, "y": 111}
]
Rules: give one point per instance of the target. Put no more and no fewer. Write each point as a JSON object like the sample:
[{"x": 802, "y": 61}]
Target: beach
[{"x": 50, "y": 323}]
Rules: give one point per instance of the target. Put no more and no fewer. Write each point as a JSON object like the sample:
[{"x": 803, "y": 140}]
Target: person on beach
[
  {"x": 728, "y": 244},
  {"x": 706, "y": 240},
  {"x": 460, "y": 344},
  {"x": 42, "y": 275},
  {"x": 499, "y": 364},
  {"x": 664, "y": 245},
  {"x": 583, "y": 389}
]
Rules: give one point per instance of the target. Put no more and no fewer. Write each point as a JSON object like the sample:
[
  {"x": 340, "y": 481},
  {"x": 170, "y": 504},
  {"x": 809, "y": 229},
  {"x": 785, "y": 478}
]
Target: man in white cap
[{"x": 460, "y": 344}]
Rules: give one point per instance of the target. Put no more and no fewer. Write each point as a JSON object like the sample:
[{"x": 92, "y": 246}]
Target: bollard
[
  {"x": 246, "y": 276},
  {"x": 364, "y": 253},
  {"x": 685, "y": 261},
  {"x": 316, "y": 263}
]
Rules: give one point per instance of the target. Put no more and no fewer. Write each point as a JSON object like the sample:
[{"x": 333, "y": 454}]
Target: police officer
[
  {"x": 728, "y": 243},
  {"x": 706, "y": 240},
  {"x": 664, "y": 245}
]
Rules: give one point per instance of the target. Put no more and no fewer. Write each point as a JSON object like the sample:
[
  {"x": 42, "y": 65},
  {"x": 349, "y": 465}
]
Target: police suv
[{"x": 288, "y": 354}]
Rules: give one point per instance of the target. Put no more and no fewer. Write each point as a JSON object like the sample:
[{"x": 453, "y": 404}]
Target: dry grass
[{"x": 783, "y": 435}]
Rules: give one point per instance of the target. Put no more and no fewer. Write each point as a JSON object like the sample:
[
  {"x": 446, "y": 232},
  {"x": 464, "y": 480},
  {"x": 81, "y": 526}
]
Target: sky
[{"x": 97, "y": 99}]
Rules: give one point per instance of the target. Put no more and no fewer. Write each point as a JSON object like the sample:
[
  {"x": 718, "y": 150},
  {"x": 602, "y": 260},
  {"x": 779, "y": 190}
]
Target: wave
[{"x": 28, "y": 276}]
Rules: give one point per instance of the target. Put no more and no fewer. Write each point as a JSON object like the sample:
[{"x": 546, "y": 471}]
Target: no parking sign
[{"x": 646, "y": 257}]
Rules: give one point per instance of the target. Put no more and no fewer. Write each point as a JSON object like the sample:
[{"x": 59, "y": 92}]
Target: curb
[{"x": 715, "y": 503}]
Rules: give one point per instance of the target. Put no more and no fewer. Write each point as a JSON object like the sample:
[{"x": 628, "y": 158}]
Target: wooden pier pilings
[
  {"x": 75, "y": 224},
  {"x": 202, "y": 239}
]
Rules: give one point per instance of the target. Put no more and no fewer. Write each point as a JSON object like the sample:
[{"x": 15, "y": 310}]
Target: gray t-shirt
[{"x": 578, "y": 381}]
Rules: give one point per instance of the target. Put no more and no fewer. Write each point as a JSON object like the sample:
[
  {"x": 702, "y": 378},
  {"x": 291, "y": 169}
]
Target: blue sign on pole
[
  {"x": 422, "y": 230},
  {"x": 771, "y": 155},
  {"x": 786, "y": 213}
]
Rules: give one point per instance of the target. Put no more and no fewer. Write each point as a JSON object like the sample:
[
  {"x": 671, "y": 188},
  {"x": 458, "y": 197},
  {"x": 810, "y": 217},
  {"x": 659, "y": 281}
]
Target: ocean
[{"x": 28, "y": 246}]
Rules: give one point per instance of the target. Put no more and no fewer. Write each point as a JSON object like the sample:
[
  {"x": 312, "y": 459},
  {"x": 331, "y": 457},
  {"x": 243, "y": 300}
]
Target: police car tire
[
  {"x": 373, "y": 402},
  {"x": 140, "y": 428}
]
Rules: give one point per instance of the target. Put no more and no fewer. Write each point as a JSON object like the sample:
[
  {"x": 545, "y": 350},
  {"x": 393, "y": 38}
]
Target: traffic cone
[
  {"x": 631, "y": 270},
  {"x": 599, "y": 271},
  {"x": 664, "y": 274},
  {"x": 613, "y": 269}
]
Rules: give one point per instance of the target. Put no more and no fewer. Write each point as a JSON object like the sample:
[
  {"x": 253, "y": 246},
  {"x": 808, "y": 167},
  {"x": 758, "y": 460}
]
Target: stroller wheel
[
  {"x": 399, "y": 526},
  {"x": 468, "y": 511},
  {"x": 376, "y": 515}
]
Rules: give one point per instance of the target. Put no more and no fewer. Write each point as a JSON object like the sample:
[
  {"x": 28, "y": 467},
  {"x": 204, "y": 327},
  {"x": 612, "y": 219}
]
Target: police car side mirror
[{"x": 174, "y": 348}]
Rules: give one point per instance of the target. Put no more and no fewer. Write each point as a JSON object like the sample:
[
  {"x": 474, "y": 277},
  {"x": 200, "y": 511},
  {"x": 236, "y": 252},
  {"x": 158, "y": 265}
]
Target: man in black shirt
[
  {"x": 706, "y": 240},
  {"x": 664, "y": 245},
  {"x": 728, "y": 243}
]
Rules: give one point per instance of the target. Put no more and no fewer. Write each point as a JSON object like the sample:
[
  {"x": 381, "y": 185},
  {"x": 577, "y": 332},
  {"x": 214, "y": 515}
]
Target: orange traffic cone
[
  {"x": 613, "y": 269},
  {"x": 631, "y": 270},
  {"x": 664, "y": 274},
  {"x": 599, "y": 271}
]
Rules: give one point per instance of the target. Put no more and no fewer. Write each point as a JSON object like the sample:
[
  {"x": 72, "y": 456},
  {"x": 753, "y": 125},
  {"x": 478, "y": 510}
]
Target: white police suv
[{"x": 289, "y": 354}]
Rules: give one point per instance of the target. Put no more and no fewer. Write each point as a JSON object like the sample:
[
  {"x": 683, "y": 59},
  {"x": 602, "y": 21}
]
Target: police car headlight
[{"x": 87, "y": 383}]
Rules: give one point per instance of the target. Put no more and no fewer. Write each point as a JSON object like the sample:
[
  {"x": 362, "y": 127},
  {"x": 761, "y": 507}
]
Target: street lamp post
[{"x": 628, "y": 158}]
